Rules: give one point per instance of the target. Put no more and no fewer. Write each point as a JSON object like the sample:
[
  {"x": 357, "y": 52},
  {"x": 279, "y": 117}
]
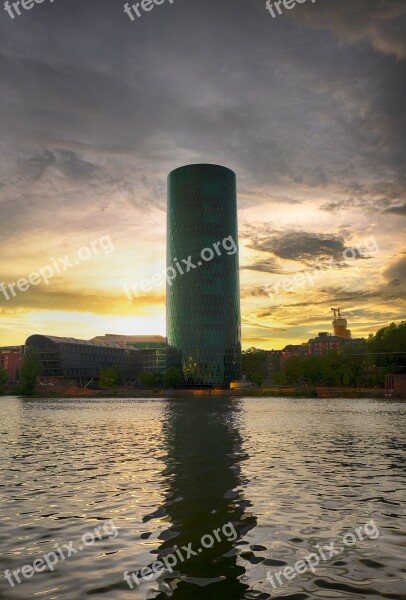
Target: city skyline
[{"x": 305, "y": 108}]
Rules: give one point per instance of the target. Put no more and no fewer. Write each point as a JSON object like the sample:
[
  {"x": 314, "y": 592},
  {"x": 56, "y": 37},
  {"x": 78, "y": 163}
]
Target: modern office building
[
  {"x": 153, "y": 349},
  {"x": 203, "y": 300},
  {"x": 82, "y": 360}
]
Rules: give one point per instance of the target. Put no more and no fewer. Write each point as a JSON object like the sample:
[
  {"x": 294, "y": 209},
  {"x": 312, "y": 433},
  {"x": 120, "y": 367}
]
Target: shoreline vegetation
[
  {"x": 358, "y": 364},
  {"x": 271, "y": 392},
  {"x": 375, "y": 367}
]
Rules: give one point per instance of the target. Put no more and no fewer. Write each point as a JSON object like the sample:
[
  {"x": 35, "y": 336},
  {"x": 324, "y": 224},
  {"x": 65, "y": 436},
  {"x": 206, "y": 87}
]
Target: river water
[{"x": 274, "y": 477}]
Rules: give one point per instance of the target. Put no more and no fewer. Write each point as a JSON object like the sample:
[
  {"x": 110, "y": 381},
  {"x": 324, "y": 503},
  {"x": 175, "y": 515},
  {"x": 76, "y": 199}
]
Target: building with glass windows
[
  {"x": 153, "y": 350},
  {"x": 203, "y": 295},
  {"x": 81, "y": 359}
]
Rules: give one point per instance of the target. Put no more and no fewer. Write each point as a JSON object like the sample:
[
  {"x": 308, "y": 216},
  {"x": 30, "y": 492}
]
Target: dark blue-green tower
[{"x": 203, "y": 304}]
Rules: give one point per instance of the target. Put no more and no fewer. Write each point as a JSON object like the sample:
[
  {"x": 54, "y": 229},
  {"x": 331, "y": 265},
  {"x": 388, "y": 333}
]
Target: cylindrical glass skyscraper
[{"x": 203, "y": 292}]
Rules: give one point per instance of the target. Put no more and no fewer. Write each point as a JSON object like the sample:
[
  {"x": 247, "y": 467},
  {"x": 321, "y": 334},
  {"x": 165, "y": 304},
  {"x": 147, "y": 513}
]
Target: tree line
[
  {"x": 356, "y": 365},
  {"x": 170, "y": 379},
  {"x": 108, "y": 377}
]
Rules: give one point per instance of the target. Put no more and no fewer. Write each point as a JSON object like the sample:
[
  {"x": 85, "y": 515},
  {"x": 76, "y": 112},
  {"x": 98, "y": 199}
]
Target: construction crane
[{"x": 340, "y": 325}]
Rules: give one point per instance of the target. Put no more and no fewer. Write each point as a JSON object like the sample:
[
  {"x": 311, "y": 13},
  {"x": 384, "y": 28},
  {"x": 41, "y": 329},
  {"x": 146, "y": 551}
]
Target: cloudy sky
[{"x": 306, "y": 108}]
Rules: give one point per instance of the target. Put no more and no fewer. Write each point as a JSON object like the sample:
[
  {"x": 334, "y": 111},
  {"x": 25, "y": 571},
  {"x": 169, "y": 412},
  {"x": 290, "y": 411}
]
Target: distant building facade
[
  {"x": 18, "y": 349},
  {"x": 354, "y": 342},
  {"x": 324, "y": 343},
  {"x": 273, "y": 362},
  {"x": 11, "y": 359},
  {"x": 130, "y": 340},
  {"x": 395, "y": 384},
  {"x": 81, "y": 359},
  {"x": 294, "y": 350},
  {"x": 154, "y": 353}
]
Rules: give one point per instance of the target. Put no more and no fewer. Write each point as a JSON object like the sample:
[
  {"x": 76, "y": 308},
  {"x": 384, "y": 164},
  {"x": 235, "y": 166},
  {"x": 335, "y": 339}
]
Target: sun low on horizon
[{"x": 315, "y": 145}]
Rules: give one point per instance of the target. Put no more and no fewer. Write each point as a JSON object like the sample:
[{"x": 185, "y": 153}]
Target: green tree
[
  {"x": 30, "y": 369},
  {"x": 346, "y": 378},
  {"x": 172, "y": 378},
  {"x": 3, "y": 379},
  {"x": 387, "y": 347},
  {"x": 159, "y": 379},
  {"x": 256, "y": 378},
  {"x": 254, "y": 360},
  {"x": 351, "y": 365},
  {"x": 110, "y": 376},
  {"x": 279, "y": 378},
  {"x": 293, "y": 369},
  {"x": 147, "y": 379},
  {"x": 315, "y": 369}
]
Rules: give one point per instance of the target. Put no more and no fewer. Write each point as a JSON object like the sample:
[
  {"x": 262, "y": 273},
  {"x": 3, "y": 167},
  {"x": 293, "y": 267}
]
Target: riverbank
[{"x": 272, "y": 392}]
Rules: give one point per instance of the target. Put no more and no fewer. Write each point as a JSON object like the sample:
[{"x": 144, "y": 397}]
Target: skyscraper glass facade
[{"x": 203, "y": 303}]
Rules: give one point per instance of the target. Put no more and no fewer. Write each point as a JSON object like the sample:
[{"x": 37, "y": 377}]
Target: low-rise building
[
  {"x": 11, "y": 358},
  {"x": 80, "y": 359},
  {"x": 294, "y": 350},
  {"x": 354, "y": 342},
  {"x": 395, "y": 384},
  {"x": 324, "y": 343},
  {"x": 155, "y": 354},
  {"x": 273, "y": 362}
]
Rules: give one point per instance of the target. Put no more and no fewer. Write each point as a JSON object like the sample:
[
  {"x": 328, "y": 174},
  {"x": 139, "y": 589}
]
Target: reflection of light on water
[
  {"x": 203, "y": 455},
  {"x": 289, "y": 473}
]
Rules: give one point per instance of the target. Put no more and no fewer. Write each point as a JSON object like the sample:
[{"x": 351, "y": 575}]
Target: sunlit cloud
[{"x": 308, "y": 109}]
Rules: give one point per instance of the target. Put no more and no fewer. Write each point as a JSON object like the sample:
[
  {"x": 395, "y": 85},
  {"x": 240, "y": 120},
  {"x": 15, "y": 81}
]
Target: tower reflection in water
[{"x": 204, "y": 494}]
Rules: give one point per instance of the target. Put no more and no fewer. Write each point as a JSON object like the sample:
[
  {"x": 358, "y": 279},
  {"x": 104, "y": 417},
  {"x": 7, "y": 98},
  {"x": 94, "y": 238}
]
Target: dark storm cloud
[
  {"x": 340, "y": 296},
  {"x": 397, "y": 210},
  {"x": 39, "y": 187},
  {"x": 34, "y": 167},
  {"x": 292, "y": 245},
  {"x": 294, "y": 315},
  {"x": 396, "y": 272},
  {"x": 73, "y": 166},
  {"x": 379, "y": 23},
  {"x": 392, "y": 298},
  {"x": 264, "y": 266},
  {"x": 179, "y": 83},
  {"x": 96, "y": 109},
  {"x": 303, "y": 246},
  {"x": 374, "y": 197},
  {"x": 67, "y": 162}
]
